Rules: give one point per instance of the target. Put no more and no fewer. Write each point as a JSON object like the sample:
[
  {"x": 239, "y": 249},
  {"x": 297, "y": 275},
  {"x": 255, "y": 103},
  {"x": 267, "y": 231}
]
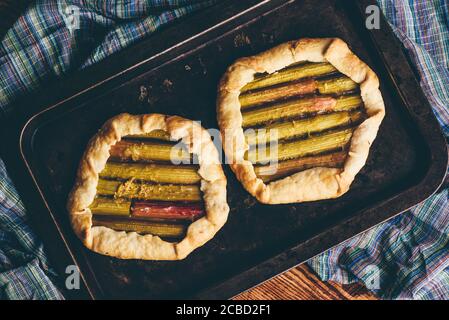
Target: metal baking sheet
[{"x": 407, "y": 161}]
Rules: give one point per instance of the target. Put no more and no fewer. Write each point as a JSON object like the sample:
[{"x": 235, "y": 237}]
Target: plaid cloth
[
  {"x": 24, "y": 272},
  {"x": 409, "y": 253},
  {"x": 40, "y": 48},
  {"x": 408, "y": 256}
]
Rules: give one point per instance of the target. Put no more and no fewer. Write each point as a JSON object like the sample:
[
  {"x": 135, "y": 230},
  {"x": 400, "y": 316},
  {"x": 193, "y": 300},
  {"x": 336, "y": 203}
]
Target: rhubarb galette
[
  {"x": 297, "y": 121},
  {"x": 148, "y": 187}
]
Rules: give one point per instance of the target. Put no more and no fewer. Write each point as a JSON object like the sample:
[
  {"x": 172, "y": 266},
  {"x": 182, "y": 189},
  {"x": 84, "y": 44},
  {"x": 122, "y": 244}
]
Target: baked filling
[
  {"x": 143, "y": 189},
  {"x": 298, "y": 118}
]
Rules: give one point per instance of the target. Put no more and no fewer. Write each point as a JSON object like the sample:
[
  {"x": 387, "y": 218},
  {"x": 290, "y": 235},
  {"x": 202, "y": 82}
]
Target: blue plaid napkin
[{"x": 408, "y": 254}]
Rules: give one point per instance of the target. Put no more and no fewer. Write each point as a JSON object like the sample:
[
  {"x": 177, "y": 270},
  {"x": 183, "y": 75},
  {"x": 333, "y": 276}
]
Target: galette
[
  {"x": 298, "y": 120},
  {"x": 148, "y": 187}
]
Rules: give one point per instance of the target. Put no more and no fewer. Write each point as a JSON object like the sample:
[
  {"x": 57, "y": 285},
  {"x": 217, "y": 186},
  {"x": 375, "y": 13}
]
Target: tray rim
[{"x": 214, "y": 290}]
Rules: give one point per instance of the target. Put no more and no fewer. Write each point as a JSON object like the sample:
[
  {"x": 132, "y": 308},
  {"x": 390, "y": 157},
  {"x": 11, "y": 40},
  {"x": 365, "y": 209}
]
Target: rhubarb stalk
[
  {"x": 106, "y": 206},
  {"x": 142, "y": 227},
  {"x": 132, "y": 189},
  {"x": 300, "y": 148},
  {"x": 276, "y": 93},
  {"x": 152, "y": 172},
  {"x": 299, "y": 108},
  {"x": 328, "y": 86},
  {"x": 285, "y": 168},
  {"x": 291, "y": 73},
  {"x": 155, "y": 134},
  {"x": 149, "y": 151},
  {"x": 303, "y": 127},
  {"x": 167, "y": 210}
]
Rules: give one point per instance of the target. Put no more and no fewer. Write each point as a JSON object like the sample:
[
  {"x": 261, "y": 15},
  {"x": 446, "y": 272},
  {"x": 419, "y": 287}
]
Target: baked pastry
[
  {"x": 139, "y": 194},
  {"x": 297, "y": 121}
]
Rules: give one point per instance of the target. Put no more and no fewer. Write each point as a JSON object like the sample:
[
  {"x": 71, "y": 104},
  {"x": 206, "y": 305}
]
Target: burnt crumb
[
  {"x": 249, "y": 202},
  {"x": 143, "y": 93},
  {"x": 123, "y": 278},
  {"x": 241, "y": 40},
  {"x": 167, "y": 85},
  {"x": 146, "y": 96}
]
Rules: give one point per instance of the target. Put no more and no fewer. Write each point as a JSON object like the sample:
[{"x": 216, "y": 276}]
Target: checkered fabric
[
  {"x": 406, "y": 257},
  {"x": 46, "y": 43}
]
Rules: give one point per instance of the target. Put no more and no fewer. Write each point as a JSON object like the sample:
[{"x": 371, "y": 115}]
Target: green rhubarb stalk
[
  {"x": 132, "y": 189},
  {"x": 300, "y": 148},
  {"x": 299, "y": 108},
  {"x": 106, "y": 206},
  {"x": 152, "y": 172},
  {"x": 290, "y": 74},
  {"x": 297, "y": 128},
  {"x": 142, "y": 227},
  {"x": 336, "y": 85},
  {"x": 328, "y": 86},
  {"x": 155, "y": 134},
  {"x": 149, "y": 151}
]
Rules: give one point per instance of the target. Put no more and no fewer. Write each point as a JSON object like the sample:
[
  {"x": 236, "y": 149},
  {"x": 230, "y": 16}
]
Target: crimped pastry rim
[
  {"x": 315, "y": 183},
  {"x": 131, "y": 245}
]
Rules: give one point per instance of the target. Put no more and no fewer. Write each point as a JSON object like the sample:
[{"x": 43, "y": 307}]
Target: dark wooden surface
[{"x": 298, "y": 283}]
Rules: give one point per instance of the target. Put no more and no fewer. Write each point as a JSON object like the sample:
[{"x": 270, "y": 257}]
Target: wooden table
[{"x": 301, "y": 283}]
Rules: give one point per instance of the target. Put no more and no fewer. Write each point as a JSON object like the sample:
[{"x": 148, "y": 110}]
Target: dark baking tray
[{"x": 407, "y": 162}]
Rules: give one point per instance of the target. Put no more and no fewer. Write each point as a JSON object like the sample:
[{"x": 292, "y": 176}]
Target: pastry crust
[
  {"x": 316, "y": 183},
  {"x": 131, "y": 245}
]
